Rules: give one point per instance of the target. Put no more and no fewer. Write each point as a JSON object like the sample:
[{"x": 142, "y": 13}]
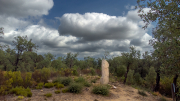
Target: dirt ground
[{"x": 121, "y": 93}]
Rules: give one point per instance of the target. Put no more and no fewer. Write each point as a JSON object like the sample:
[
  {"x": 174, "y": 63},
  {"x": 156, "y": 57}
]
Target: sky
[{"x": 89, "y": 27}]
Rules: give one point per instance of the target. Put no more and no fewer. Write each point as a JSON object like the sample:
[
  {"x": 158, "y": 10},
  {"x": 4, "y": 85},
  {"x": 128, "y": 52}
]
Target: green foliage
[
  {"x": 27, "y": 79},
  {"x": 165, "y": 85},
  {"x": 130, "y": 79},
  {"x": 75, "y": 73},
  {"x": 79, "y": 80},
  {"x": 17, "y": 79},
  {"x": 100, "y": 89},
  {"x": 48, "y": 94},
  {"x": 65, "y": 90},
  {"x": 151, "y": 77},
  {"x": 162, "y": 99},
  {"x": 75, "y": 88},
  {"x": 93, "y": 81},
  {"x": 63, "y": 80},
  {"x": 92, "y": 71},
  {"x": 137, "y": 78},
  {"x": 121, "y": 70},
  {"x": 142, "y": 93},
  {"x": 20, "y": 97},
  {"x": 59, "y": 86},
  {"x": 66, "y": 81},
  {"x": 21, "y": 91},
  {"x": 57, "y": 91},
  {"x": 40, "y": 85},
  {"x": 5, "y": 82},
  {"x": 49, "y": 85},
  {"x": 41, "y": 75},
  {"x": 87, "y": 84}
]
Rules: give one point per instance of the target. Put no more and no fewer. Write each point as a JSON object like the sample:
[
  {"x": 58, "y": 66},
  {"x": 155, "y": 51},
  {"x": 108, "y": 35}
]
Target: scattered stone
[
  {"x": 41, "y": 90},
  {"x": 114, "y": 87},
  {"x": 95, "y": 100},
  {"x": 105, "y": 72}
]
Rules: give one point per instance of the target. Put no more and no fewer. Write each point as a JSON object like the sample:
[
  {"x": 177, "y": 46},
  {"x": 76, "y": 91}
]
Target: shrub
[
  {"x": 142, "y": 93},
  {"x": 40, "y": 85},
  {"x": 5, "y": 82},
  {"x": 17, "y": 79},
  {"x": 162, "y": 99},
  {"x": 63, "y": 80},
  {"x": 120, "y": 71},
  {"x": 20, "y": 97},
  {"x": 151, "y": 77},
  {"x": 27, "y": 79},
  {"x": 49, "y": 85},
  {"x": 93, "y": 81},
  {"x": 165, "y": 85},
  {"x": 79, "y": 79},
  {"x": 21, "y": 91},
  {"x": 100, "y": 89},
  {"x": 41, "y": 75},
  {"x": 137, "y": 78},
  {"x": 92, "y": 70},
  {"x": 68, "y": 72},
  {"x": 130, "y": 77},
  {"x": 57, "y": 91},
  {"x": 65, "y": 90},
  {"x": 87, "y": 84},
  {"x": 48, "y": 94},
  {"x": 75, "y": 88},
  {"x": 59, "y": 85},
  {"x": 66, "y": 81}
]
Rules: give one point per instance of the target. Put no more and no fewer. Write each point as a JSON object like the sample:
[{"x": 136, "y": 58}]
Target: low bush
[
  {"x": 20, "y": 97},
  {"x": 165, "y": 85},
  {"x": 40, "y": 85},
  {"x": 75, "y": 88},
  {"x": 65, "y": 90},
  {"x": 92, "y": 71},
  {"x": 66, "y": 81},
  {"x": 41, "y": 75},
  {"x": 87, "y": 84},
  {"x": 21, "y": 91},
  {"x": 49, "y": 85},
  {"x": 93, "y": 81},
  {"x": 162, "y": 99},
  {"x": 130, "y": 79},
  {"x": 57, "y": 91},
  {"x": 142, "y": 93},
  {"x": 120, "y": 71},
  {"x": 101, "y": 89},
  {"x": 48, "y": 94},
  {"x": 79, "y": 80},
  {"x": 59, "y": 86}
]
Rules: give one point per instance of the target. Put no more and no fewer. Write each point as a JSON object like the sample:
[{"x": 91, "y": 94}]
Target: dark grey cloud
[
  {"x": 98, "y": 26},
  {"x": 25, "y": 8}
]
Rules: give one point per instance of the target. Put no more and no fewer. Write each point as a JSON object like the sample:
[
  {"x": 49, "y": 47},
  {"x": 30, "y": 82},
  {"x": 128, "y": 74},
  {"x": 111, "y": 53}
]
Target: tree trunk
[
  {"x": 126, "y": 73},
  {"x": 175, "y": 83},
  {"x": 157, "y": 81}
]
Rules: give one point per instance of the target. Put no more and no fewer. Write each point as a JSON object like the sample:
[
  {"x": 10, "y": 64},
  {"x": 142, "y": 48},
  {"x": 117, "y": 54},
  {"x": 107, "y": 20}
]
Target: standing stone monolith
[{"x": 105, "y": 72}]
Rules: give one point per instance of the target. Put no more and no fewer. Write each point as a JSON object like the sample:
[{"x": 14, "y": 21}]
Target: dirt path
[{"x": 121, "y": 93}]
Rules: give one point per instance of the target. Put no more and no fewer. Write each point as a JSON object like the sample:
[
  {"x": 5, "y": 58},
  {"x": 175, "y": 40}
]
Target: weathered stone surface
[{"x": 105, "y": 72}]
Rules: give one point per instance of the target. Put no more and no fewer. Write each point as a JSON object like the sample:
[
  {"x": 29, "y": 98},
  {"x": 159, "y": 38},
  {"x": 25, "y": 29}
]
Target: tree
[
  {"x": 128, "y": 60},
  {"x": 166, "y": 34},
  {"x": 21, "y": 45},
  {"x": 71, "y": 59}
]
